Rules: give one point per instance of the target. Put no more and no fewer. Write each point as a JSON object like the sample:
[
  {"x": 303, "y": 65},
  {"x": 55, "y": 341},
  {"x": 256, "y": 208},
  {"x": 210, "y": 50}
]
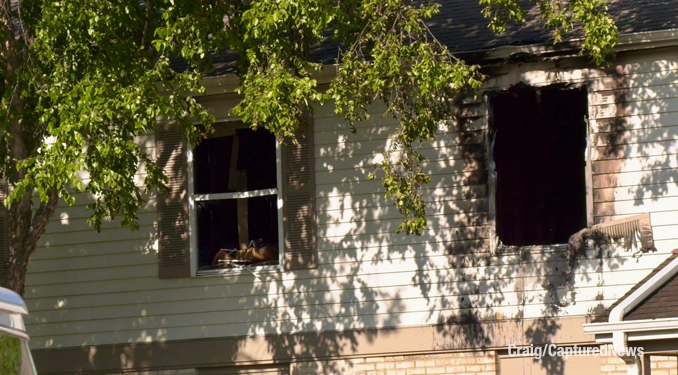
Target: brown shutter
[
  {"x": 173, "y": 241},
  {"x": 298, "y": 192}
]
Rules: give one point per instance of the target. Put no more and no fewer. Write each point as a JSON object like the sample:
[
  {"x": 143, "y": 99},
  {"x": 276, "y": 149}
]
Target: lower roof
[{"x": 661, "y": 303}]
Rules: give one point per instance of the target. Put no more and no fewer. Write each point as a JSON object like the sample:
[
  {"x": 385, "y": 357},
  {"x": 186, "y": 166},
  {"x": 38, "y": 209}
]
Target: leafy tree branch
[{"x": 84, "y": 81}]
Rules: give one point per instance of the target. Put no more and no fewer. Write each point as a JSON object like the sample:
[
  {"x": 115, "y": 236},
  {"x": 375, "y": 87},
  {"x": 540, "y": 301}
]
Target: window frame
[
  {"x": 491, "y": 167},
  {"x": 231, "y": 124}
]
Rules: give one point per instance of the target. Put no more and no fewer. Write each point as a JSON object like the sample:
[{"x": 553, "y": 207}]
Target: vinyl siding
[{"x": 89, "y": 288}]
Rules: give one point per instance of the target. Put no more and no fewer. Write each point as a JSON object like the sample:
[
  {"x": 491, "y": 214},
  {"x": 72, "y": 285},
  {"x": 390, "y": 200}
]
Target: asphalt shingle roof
[
  {"x": 663, "y": 303},
  {"x": 461, "y": 27}
]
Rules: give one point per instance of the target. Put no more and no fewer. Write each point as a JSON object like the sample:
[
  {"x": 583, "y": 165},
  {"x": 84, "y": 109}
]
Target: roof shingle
[
  {"x": 462, "y": 28},
  {"x": 657, "y": 305}
]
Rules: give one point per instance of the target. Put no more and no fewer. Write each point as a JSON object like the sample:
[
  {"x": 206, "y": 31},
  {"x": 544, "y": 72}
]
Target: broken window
[
  {"x": 539, "y": 159},
  {"x": 235, "y": 196}
]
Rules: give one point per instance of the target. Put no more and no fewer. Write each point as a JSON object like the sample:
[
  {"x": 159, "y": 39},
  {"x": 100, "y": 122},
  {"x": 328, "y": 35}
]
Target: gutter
[
  {"x": 627, "y": 42},
  {"x": 631, "y": 326},
  {"x": 648, "y": 39},
  {"x": 228, "y": 83}
]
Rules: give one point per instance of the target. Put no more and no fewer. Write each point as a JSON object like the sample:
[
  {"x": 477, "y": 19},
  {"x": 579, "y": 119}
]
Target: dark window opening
[
  {"x": 539, "y": 155},
  {"x": 235, "y": 192},
  {"x": 255, "y": 157},
  {"x": 219, "y": 227}
]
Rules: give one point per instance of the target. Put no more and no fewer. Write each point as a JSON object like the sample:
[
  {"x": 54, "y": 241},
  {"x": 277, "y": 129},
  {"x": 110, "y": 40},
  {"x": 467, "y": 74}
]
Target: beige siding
[{"x": 99, "y": 288}]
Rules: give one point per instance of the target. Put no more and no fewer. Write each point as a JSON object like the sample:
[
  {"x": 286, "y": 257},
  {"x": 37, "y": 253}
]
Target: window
[
  {"x": 539, "y": 148},
  {"x": 234, "y": 192},
  {"x": 241, "y": 191}
]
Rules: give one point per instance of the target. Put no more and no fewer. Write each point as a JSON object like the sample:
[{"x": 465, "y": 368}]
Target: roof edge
[
  {"x": 631, "y": 326},
  {"x": 653, "y": 39},
  {"x": 649, "y": 287},
  {"x": 227, "y": 83},
  {"x": 627, "y": 42}
]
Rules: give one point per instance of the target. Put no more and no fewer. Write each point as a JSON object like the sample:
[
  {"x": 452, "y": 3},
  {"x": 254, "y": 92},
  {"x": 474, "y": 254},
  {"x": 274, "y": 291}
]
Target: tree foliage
[{"x": 82, "y": 80}]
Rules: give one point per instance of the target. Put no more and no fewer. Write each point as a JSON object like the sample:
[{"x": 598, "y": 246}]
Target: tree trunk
[
  {"x": 25, "y": 225},
  {"x": 17, "y": 266},
  {"x": 25, "y": 229}
]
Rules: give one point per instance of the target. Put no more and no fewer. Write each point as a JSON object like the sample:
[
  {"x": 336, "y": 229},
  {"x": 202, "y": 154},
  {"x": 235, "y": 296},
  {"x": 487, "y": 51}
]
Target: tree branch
[
  {"x": 10, "y": 54},
  {"x": 145, "y": 39},
  {"x": 40, "y": 221}
]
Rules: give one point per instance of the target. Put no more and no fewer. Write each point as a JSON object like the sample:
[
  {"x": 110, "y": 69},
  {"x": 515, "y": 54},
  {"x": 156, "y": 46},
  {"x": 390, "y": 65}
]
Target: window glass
[
  {"x": 10, "y": 355},
  {"x": 235, "y": 199},
  {"x": 219, "y": 226},
  {"x": 252, "y": 153}
]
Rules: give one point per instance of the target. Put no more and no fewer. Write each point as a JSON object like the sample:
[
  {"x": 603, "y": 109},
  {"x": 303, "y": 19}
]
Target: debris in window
[{"x": 257, "y": 252}]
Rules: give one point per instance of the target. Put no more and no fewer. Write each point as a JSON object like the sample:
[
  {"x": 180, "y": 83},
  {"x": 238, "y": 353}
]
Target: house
[
  {"x": 644, "y": 317},
  {"x": 551, "y": 145}
]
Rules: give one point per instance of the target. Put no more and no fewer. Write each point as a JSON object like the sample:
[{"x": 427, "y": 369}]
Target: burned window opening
[
  {"x": 235, "y": 193},
  {"x": 539, "y": 143}
]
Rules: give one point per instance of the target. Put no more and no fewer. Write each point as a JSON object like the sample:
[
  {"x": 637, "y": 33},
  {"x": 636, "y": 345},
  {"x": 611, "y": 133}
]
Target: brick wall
[
  {"x": 467, "y": 363},
  {"x": 163, "y": 372},
  {"x": 471, "y": 363},
  {"x": 662, "y": 365},
  {"x": 659, "y": 365},
  {"x": 612, "y": 365}
]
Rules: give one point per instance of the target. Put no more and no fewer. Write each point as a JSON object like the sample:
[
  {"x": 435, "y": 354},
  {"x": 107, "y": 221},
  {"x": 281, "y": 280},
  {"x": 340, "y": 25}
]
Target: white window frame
[{"x": 193, "y": 215}]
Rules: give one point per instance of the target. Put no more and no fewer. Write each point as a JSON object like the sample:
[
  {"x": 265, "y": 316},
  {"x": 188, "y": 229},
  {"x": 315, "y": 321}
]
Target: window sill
[
  {"x": 532, "y": 248},
  {"x": 254, "y": 271}
]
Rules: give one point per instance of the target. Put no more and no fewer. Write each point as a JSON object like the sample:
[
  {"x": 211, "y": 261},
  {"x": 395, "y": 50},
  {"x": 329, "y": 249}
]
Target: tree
[{"x": 82, "y": 79}]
